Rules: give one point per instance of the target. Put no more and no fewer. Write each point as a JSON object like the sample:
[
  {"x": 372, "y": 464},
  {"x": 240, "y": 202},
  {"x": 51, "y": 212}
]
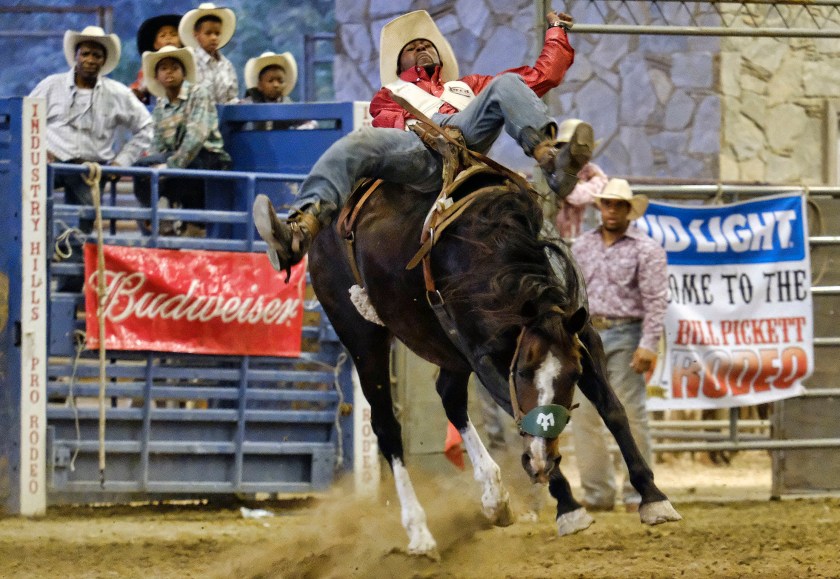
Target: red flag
[{"x": 452, "y": 446}]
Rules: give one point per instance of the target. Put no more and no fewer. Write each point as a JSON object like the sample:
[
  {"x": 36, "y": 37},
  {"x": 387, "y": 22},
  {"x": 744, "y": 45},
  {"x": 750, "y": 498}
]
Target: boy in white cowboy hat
[
  {"x": 86, "y": 110},
  {"x": 207, "y": 29},
  {"x": 270, "y": 78},
  {"x": 627, "y": 285},
  {"x": 154, "y": 33},
  {"x": 417, "y": 63},
  {"x": 186, "y": 126}
]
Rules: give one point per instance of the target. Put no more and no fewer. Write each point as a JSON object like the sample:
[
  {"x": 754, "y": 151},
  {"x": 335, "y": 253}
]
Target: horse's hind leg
[
  {"x": 495, "y": 500},
  {"x": 371, "y": 356},
  {"x": 369, "y": 345},
  {"x": 655, "y": 507}
]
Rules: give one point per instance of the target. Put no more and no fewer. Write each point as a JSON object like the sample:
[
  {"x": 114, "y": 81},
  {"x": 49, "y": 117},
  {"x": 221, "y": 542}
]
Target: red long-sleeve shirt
[{"x": 555, "y": 59}]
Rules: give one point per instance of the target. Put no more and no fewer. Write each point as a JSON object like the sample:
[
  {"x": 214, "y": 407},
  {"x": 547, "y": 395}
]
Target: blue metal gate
[{"x": 177, "y": 425}]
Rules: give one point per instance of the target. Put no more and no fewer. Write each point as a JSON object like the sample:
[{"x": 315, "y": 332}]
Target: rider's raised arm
[{"x": 548, "y": 71}]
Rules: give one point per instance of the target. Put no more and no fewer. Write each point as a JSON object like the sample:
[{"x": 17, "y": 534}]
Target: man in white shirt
[{"x": 86, "y": 112}]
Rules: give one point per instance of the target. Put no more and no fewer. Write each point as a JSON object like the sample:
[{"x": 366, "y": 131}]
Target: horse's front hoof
[
  {"x": 658, "y": 512},
  {"x": 502, "y": 516},
  {"x": 422, "y": 544},
  {"x": 573, "y": 522}
]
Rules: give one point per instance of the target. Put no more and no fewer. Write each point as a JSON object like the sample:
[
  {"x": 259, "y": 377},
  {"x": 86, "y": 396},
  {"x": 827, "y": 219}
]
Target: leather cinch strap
[
  {"x": 346, "y": 223},
  {"x": 445, "y": 211}
]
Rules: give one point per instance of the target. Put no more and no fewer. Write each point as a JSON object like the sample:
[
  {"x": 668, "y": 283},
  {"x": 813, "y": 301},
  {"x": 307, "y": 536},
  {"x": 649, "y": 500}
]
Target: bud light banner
[
  {"x": 201, "y": 302},
  {"x": 739, "y": 325}
]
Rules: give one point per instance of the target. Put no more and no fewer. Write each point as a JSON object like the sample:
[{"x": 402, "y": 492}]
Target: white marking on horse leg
[
  {"x": 573, "y": 522},
  {"x": 495, "y": 500},
  {"x": 420, "y": 540},
  {"x": 658, "y": 512}
]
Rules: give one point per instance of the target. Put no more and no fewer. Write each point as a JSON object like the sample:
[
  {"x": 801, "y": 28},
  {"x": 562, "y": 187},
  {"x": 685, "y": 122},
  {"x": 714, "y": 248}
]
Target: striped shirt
[
  {"x": 84, "y": 123},
  {"x": 218, "y": 75},
  {"x": 186, "y": 126},
  {"x": 627, "y": 279}
]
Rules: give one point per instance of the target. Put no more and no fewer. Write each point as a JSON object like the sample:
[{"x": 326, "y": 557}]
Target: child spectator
[
  {"x": 206, "y": 30},
  {"x": 154, "y": 34},
  {"x": 186, "y": 129},
  {"x": 270, "y": 78}
]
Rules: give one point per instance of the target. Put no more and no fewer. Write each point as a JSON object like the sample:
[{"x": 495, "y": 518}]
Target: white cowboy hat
[
  {"x": 620, "y": 189},
  {"x": 255, "y": 66},
  {"x": 151, "y": 60},
  {"x": 402, "y": 30},
  {"x": 187, "y": 25},
  {"x": 111, "y": 43}
]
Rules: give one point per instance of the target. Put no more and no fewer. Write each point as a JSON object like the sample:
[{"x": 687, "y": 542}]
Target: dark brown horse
[{"x": 514, "y": 319}]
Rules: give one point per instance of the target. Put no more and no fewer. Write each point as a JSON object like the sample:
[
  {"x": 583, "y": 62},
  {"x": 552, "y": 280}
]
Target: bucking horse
[{"x": 472, "y": 286}]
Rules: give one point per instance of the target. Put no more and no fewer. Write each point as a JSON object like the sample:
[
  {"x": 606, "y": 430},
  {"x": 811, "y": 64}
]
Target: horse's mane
[{"x": 509, "y": 281}]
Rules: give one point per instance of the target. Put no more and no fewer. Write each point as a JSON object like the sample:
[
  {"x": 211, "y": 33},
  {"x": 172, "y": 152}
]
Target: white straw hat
[
  {"x": 151, "y": 59},
  {"x": 254, "y": 67},
  {"x": 402, "y": 30},
  {"x": 187, "y": 25},
  {"x": 111, "y": 43},
  {"x": 620, "y": 189}
]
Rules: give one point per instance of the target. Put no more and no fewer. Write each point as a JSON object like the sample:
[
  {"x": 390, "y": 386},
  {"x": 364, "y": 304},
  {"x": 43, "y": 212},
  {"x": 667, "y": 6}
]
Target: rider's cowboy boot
[
  {"x": 289, "y": 240},
  {"x": 562, "y": 158}
]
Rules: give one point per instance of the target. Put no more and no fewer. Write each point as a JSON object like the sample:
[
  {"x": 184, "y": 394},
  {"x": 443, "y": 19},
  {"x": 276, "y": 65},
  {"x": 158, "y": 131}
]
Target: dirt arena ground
[{"x": 730, "y": 529}]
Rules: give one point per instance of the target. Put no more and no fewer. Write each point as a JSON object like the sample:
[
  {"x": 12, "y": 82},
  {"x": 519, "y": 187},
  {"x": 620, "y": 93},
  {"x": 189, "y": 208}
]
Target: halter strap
[{"x": 514, "y": 400}]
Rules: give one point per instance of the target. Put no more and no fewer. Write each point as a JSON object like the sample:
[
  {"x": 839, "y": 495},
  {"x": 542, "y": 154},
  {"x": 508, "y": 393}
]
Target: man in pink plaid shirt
[{"x": 627, "y": 285}]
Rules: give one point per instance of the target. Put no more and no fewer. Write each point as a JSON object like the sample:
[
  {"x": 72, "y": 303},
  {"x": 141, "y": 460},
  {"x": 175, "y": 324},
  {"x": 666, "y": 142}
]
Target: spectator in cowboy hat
[
  {"x": 154, "y": 34},
  {"x": 417, "y": 63},
  {"x": 186, "y": 127},
  {"x": 86, "y": 111},
  {"x": 207, "y": 29},
  {"x": 627, "y": 285},
  {"x": 269, "y": 79}
]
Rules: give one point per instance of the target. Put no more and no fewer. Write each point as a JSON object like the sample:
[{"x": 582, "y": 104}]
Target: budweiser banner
[
  {"x": 739, "y": 324},
  {"x": 203, "y": 302}
]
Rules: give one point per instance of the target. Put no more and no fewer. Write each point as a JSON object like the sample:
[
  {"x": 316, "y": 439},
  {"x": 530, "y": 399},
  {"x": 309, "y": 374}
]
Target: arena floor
[{"x": 730, "y": 529}]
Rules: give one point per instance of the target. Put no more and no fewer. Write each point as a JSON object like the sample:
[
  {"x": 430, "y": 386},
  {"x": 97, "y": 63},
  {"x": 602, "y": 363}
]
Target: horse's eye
[{"x": 527, "y": 374}]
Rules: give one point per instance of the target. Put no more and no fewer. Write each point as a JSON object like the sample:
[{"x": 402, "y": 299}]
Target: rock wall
[
  {"x": 774, "y": 94},
  {"x": 652, "y": 100}
]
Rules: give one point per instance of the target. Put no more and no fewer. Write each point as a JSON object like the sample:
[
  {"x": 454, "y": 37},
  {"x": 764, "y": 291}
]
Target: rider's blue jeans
[{"x": 400, "y": 156}]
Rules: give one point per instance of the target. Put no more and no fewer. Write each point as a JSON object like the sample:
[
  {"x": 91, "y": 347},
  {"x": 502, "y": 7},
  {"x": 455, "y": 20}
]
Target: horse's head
[{"x": 544, "y": 374}]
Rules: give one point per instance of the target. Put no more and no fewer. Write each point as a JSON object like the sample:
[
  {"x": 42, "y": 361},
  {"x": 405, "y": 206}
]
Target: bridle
[{"x": 546, "y": 421}]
